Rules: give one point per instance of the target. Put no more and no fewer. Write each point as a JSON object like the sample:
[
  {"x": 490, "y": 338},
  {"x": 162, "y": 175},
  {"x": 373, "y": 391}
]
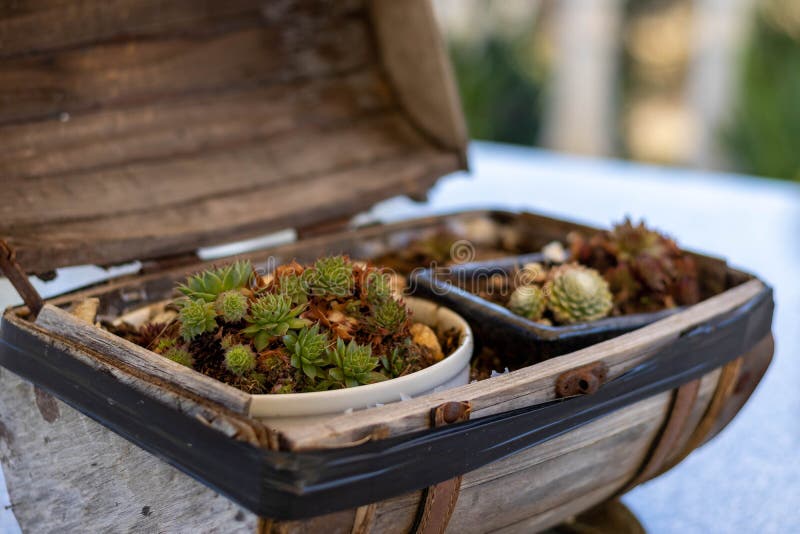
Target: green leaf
[
  {"x": 375, "y": 376},
  {"x": 351, "y": 382},
  {"x": 251, "y": 330},
  {"x": 336, "y": 374},
  {"x": 296, "y": 324},
  {"x": 261, "y": 340}
]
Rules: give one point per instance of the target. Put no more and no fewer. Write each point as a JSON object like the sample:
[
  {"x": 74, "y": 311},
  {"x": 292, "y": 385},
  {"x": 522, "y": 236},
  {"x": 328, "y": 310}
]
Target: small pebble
[{"x": 423, "y": 335}]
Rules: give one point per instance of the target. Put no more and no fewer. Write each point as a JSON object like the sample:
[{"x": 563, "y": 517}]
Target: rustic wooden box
[{"x": 143, "y": 131}]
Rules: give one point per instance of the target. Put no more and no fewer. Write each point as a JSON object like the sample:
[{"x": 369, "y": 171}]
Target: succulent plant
[
  {"x": 164, "y": 344},
  {"x": 196, "y": 317},
  {"x": 395, "y": 362},
  {"x": 378, "y": 286},
  {"x": 180, "y": 355},
  {"x": 330, "y": 276},
  {"x": 272, "y": 316},
  {"x": 646, "y": 270},
  {"x": 353, "y": 364},
  {"x": 528, "y": 301},
  {"x": 240, "y": 360},
  {"x": 208, "y": 285},
  {"x": 577, "y": 294},
  {"x": 333, "y": 324},
  {"x": 231, "y": 306},
  {"x": 307, "y": 350},
  {"x": 293, "y": 286},
  {"x": 388, "y": 315}
]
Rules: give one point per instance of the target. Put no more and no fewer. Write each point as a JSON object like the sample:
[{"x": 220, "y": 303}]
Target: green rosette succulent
[
  {"x": 240, "y": 360},
  {"x": 196, "y": 317},
  {"x": 378, "y": 287},
  {"x": 528, "y": 301},
  {"x": 231, "y": 306},
  {"x": 307, "y": 350},
  {"x": 577, "y": 294},
  {"x": 388, "y": 315},
  {"x": 272, "y": 316},
  {"x": 353, "y": 364},
  {"x": 180, "y": 355},
  {"x": 208, "y": 285},
  {"x": 293, "y": 286},
  {"x": 330, "y": 276}
]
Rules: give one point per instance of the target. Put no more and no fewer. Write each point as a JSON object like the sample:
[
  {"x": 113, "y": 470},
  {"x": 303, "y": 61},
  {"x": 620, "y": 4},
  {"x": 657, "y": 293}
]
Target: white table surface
[{"x": 748, "y": 478}]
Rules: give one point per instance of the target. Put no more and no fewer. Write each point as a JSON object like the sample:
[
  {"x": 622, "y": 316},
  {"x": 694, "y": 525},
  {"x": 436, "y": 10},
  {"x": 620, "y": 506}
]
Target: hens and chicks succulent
[
  {"x": 333, "y": 324},
  {"x": 570, "y": 293},
  {"x": 629, "y": 269}
]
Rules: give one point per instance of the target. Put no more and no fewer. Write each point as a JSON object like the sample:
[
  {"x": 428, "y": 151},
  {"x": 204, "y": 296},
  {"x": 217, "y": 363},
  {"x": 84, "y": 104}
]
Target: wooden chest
[{"x": 144, "y": 130}]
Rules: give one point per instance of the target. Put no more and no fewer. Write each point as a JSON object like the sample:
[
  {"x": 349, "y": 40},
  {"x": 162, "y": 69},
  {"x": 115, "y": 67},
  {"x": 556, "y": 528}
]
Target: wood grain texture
[
  {"x": 70, "y": 474},
  {"x": 254, "y": 170},
  {"x": 138, "y": 130},
  {"x": 112, "y": 239},
  {"x": 61, "y": 323},
  {"x": 409, "y": 41},
  {"x": 132, "y": 71},
  {"x": 109, "y": 138},
  {"x": 232, "y": 425},
  {"x": 83, "y": 23}
]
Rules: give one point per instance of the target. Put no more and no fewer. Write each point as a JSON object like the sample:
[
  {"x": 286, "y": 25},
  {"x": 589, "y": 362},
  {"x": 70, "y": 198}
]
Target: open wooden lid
[{"x": 134, "y": 130}]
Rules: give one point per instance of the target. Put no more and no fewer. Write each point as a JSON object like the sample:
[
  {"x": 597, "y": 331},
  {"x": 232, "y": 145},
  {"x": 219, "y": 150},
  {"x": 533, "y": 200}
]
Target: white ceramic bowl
[{"x": 450, "y": 372}]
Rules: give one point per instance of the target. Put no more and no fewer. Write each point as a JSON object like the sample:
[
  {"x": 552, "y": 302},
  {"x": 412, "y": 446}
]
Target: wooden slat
[
  {"x": 524, "y": 387},
  {"x": 161, "y": 130},
  {"x": 76, "y": 23},
  {"x": 218, "y": 219},
  {"x": 234, "y": 426},
  {"x": 131, "y": 130},
  {"x": 61, "y": 323},
  {"x": 68, "y": 473},
  {"x": 409, "y": 42},
  {"x": 178, "y": 182},
  {"x": 532, "y": 485},
  {"x": 134, "y": 72}
]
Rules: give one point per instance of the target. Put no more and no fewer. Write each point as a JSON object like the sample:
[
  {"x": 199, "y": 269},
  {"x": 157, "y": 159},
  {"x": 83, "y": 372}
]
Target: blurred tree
[
  {"x": 500, "y": 62},
  {"x": 763, "y": 138}
]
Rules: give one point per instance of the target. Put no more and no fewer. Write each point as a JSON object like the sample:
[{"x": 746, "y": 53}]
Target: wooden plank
[
  {"x": 61, "y": 323},
  {"x": 233, "y": 426},
  {"x": 525, "y": 387},
  {"x": 132, "y": 72},
  {"x": 159, "y": 130},
  {"x": 170, "y": 121},
  {"x": 334, "y": 194},
  {"x": 175, "y": 182},
  {"x": 708, "y": 385},
  {"x": 409, "y": 41},
  {"x": 85, "y": 22},
  {"x": 531, "y": 485},
  {"x": 67, "y": 473}
]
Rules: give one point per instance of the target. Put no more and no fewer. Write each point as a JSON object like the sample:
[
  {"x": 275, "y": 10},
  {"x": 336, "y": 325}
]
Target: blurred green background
[{"x": 710, "y": 84}]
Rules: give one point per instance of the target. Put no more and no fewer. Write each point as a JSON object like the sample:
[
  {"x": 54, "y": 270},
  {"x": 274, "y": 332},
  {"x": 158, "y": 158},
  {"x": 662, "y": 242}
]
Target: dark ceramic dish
[{"x": 497, "y": 326}]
